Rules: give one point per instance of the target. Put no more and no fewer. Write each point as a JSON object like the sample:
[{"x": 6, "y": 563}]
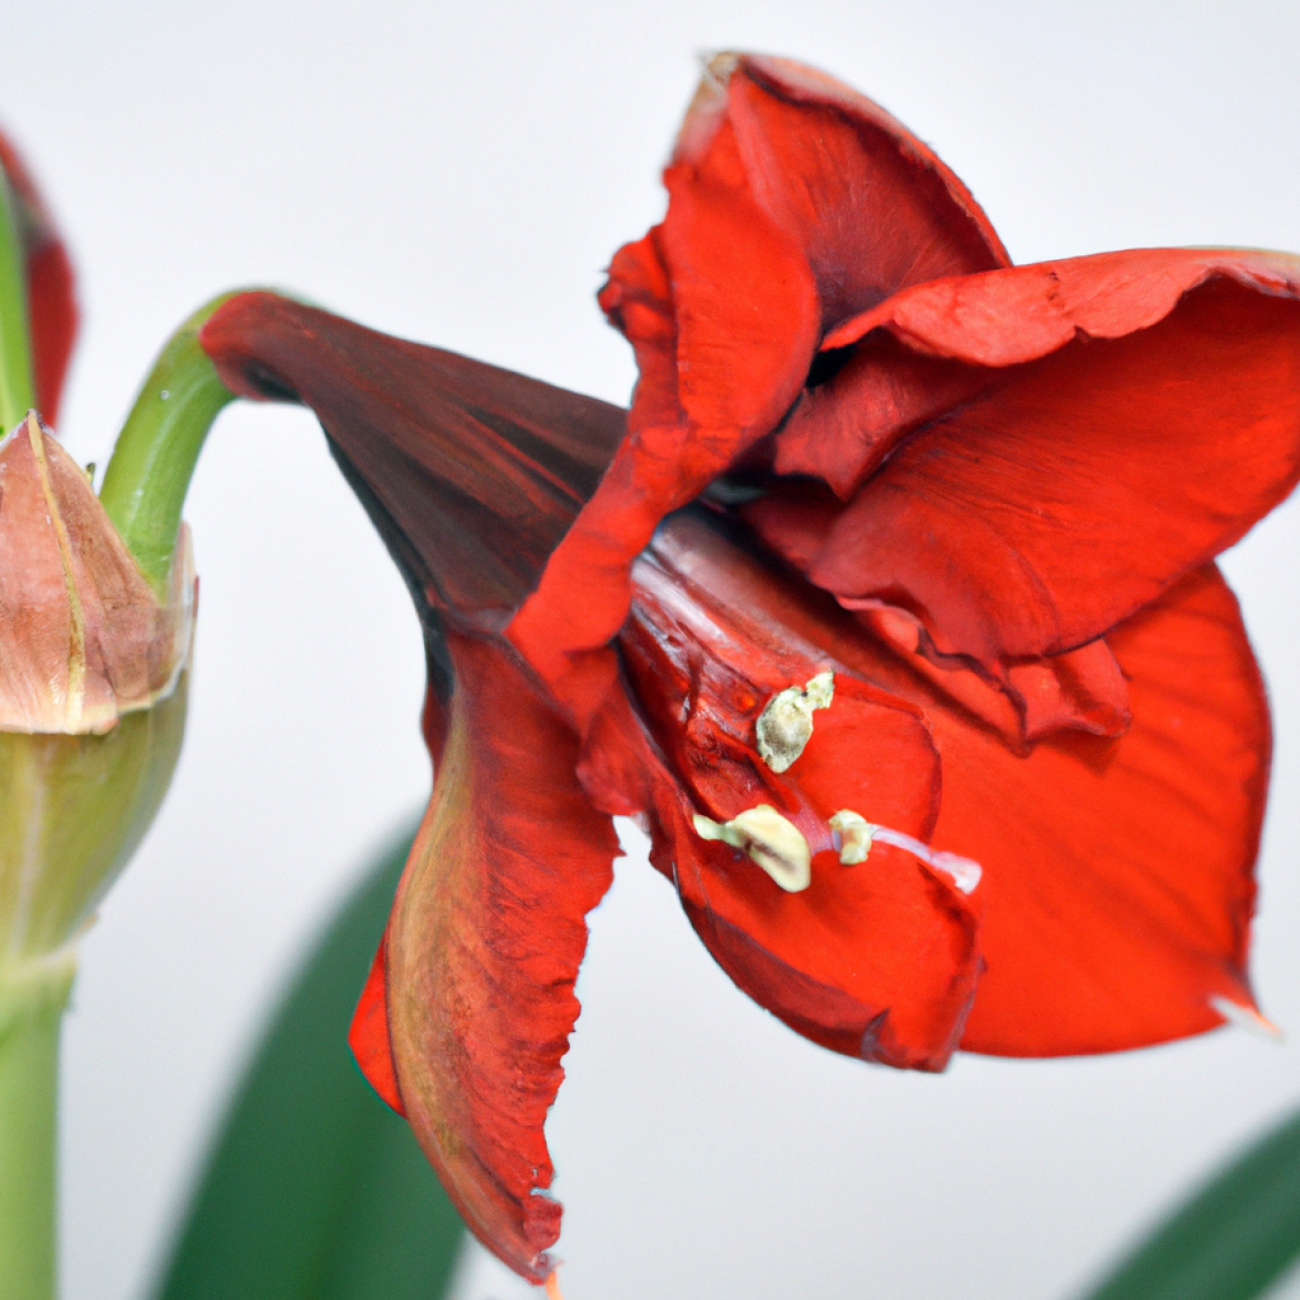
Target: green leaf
[
  {"x": 315, "y": 1190},
  {"x": 1232, "y": 1240}
]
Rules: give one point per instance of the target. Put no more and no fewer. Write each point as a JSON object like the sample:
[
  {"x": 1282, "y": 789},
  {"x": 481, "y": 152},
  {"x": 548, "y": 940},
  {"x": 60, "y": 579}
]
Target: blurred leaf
[
  {"x": 1232, "y": 1240},
  {"x": 315, "y": 1190}
]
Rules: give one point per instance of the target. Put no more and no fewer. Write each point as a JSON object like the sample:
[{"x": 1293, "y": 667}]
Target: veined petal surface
[
  {"x": 471, "y": 473},
  {"x": 1119, "y": 874},
  {"x": 1158, "y": 422},
  {"x": 483, "y": 947},
  {"x": 793, "y": 202}
]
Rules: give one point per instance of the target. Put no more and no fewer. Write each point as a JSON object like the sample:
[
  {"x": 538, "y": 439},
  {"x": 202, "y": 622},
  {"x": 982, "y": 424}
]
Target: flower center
[{"x": 786, "y": 725}]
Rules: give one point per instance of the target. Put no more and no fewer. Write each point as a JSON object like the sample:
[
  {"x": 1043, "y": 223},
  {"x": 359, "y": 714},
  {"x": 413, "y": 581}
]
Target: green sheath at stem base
[{"x": 29, "y": 1076}]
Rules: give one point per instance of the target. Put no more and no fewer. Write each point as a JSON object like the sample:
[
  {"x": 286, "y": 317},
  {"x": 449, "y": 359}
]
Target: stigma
[
  {"x": 785, "y": 726},
  {"x": 769, "y": 840},
  {"x": 854, "y": 836}
]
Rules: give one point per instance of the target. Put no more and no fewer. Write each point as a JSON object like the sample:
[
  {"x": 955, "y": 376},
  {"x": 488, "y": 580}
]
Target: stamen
[
  {"x": 553, "y": 1285},
  {"x": 1241, "y": 1016},
  {"x": 786, "y": 725},
  {"x": 769, "y": 840},
  {"x": 854, "y": 836}
]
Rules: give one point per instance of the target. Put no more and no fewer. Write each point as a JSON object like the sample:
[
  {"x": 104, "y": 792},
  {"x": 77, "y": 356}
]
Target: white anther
[
  {"x": 786, "y": 725},
  {"x": 854, "y": 836},
  {"x": 769, "y": 840}
]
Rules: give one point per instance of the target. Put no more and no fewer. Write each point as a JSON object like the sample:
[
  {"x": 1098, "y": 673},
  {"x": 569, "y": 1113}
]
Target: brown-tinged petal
[
  {"x": 83, "y": 638},
  {"x": 872, "y": 206},
  {"x": 483, "y": 947},
  {"x": 471, "y": 473}
]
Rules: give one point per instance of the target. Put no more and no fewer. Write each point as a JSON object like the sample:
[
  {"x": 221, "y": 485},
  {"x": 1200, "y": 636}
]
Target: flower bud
[{"x": 92, "y": 699}]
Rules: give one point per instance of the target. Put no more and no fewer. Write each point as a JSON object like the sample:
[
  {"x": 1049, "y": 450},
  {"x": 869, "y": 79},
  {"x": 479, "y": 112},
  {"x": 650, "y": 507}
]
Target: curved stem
[
  {"x": 17, "y": 393},
  {"x": 154, "y": 458}
]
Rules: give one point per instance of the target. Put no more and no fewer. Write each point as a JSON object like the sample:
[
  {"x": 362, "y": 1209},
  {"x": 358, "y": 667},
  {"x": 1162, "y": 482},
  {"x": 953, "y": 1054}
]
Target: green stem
[
  {"x": 17, "y": 395},
  {"x": 152, "y": 464},
  {"x": 29, "y": 1077}
]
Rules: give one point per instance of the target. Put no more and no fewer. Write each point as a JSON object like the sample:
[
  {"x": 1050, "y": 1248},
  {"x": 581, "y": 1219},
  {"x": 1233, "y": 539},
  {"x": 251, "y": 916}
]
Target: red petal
[
  {"x": 792, "y": 202},
  {"x": 51, "y": 294},
  {"x": 747, "y": 314},
  {"x": 746, "y": 322},
  {"x": 1018, "y": 314},
  {"x": 842, "y": 430},
  {"x": 51, "y": 297},
  {"x": 1117, "y": 885},
  {"x": 471, "y": 473},
  {"x": 877, "y": 961},
  {"x": 952, "y": 677},
  {"x": 368, "y": 1036},
  {"x": 638, "y": 299},
  {"x": 1077, "y": 690},
  {"x": 484, "y": 945},
  {"x": 1081, "y": 690},
  {"x": 1079, "y": 487},
  {"x": 873, "y": 208},
  {"x": 1118, "y": 874}
]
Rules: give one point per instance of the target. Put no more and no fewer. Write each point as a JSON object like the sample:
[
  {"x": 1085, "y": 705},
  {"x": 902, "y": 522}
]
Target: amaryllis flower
[{"x": 893, "y": 617}]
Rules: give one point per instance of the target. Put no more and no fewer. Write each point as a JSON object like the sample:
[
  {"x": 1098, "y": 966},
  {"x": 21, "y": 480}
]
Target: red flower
[
  {"x": 945, "y": 597},
  {"x": 51, "y": 296}
]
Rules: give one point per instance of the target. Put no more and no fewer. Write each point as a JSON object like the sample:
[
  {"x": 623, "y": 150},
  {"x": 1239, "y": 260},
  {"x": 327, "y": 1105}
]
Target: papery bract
[
  {"x": 83, "y": 637},
  {"x": 956, "y": 519}
]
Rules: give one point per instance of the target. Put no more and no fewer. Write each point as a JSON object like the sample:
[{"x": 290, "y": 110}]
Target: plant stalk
[{"x": 30, "y": 1018}]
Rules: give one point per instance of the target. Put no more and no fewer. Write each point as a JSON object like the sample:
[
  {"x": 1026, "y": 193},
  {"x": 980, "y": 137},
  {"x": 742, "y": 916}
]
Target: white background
[{"x": 460, "y": 174}]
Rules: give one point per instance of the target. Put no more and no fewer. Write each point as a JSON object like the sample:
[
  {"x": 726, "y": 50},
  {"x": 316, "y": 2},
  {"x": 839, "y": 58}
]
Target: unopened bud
[
  {"x": 83, "y": 637},
  {"x": 92, "y": 699}
]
